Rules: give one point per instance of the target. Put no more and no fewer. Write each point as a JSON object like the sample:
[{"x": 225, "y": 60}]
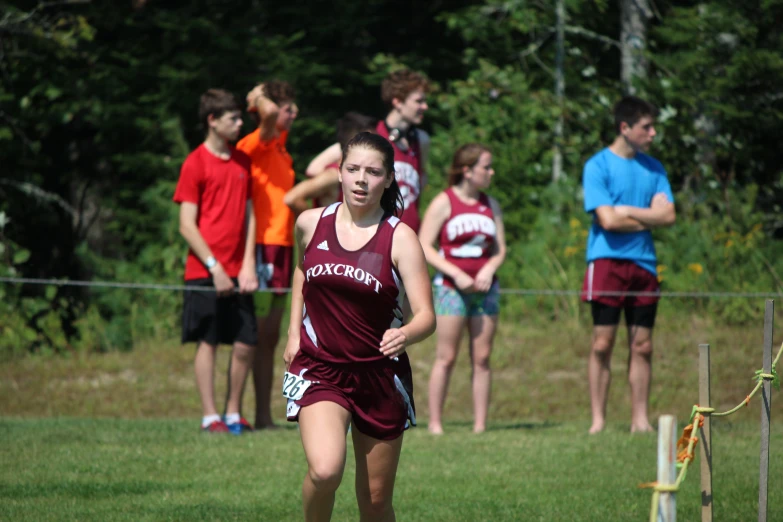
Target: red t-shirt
[{"x": 221, "y": 189}]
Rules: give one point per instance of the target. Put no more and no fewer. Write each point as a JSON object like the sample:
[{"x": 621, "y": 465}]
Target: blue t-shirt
[{"x": 611, "y": 180}]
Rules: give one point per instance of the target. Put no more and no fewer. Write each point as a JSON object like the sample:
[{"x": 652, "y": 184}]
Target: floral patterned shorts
[{"x": 450, "y": 301}]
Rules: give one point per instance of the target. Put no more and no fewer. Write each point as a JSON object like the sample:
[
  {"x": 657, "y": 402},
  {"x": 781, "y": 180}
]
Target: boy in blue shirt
[{"x": 628, "y": 194}]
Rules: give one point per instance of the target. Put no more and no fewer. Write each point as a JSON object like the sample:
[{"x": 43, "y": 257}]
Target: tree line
[{"x": 98, "y": 104}]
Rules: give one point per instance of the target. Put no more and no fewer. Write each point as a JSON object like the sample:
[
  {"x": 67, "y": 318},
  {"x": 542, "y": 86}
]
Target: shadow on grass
[
  {"x": 85, "y": 490},
  {"x": 524, "y": 426},
  {"x": 498, "y": 426},
  {"x": 279, "y": 426}
]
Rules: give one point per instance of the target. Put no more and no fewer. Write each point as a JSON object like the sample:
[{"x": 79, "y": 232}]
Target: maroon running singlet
[
  {"x": 351, "y": 297},
  {"x": 407, "y": 172},
  {"x": 467, "y": 237}
]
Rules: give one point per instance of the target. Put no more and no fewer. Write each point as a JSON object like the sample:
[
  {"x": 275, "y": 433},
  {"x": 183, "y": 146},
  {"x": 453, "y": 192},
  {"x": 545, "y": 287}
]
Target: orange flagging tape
[{"x": 682, "y": 445}]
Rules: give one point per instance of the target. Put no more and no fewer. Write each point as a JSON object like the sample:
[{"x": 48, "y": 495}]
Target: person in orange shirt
[{"x": 273, "y": 175}]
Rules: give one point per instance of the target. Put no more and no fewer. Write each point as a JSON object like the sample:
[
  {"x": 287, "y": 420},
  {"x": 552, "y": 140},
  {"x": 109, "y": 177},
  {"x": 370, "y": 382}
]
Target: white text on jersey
[
  {"x": 345, "y": 271},
  {"x": 469, "y": 223}
]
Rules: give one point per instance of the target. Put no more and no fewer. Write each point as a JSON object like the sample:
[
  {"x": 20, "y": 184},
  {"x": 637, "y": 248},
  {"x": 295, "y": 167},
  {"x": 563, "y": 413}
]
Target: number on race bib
[{"x": 294, "y": 386}]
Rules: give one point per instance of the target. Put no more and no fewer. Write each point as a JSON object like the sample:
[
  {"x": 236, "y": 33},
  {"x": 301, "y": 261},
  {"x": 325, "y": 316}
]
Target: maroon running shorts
[
  {"x": 379, "y": 397},
  {"x": 619, "y": 275},
  {"x": 274, "y": 267}
]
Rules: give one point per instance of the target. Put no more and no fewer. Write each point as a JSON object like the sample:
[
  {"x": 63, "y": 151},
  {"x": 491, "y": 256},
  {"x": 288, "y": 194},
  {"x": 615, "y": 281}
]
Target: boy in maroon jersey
[
  {"x": 405, "y": 94},
  {"x": 345, "y": 356},
  {"x": 468, "y": 227},
  {"x": 216, "y": 219}
]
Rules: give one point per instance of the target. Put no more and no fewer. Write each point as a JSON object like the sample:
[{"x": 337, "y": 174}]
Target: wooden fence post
[
  {"x": 667, "y": 466},
  {"x": 766, "y": 405},
  {"x": 704, "y": 434}
]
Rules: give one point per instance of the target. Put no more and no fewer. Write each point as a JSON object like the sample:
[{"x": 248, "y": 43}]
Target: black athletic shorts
[
  {"x": 605, "y": 315},
  {"x": 217, "y": 320}
]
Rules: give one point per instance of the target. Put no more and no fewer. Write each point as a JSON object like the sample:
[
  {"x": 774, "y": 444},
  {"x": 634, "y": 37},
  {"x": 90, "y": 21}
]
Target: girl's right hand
[
  {"x": 464, "y": 283},
  {"x": 291, "y": 349}
]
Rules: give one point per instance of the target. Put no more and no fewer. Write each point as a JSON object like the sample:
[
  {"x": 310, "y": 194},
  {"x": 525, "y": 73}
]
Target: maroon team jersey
[
  {"x": 351, "y": 297},
  {"x": 468, "y": 236},
  {"x": 407, "y": 170}
]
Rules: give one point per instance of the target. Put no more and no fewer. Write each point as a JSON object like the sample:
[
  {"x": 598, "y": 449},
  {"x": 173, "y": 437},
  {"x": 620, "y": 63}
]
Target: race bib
[{"x": 294, "y": 386}]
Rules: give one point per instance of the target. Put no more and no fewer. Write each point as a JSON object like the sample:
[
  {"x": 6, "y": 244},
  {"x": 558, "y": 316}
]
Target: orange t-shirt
[{"x": 273, "y": 176}]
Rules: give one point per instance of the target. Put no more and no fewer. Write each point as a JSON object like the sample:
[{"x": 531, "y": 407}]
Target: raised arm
[
  {"x": 408, "y": 257},
  {"x": 267, "y": 112},
  {"x": 331, "y": 154},
  {"x": 320, "y": 185},
  {"x": 434, "y": 218}
]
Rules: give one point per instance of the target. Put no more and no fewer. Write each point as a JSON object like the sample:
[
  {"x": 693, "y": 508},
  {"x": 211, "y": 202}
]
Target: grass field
[
  {"x": 102, "y": 469},
  {"x": 115, "y": 437}
]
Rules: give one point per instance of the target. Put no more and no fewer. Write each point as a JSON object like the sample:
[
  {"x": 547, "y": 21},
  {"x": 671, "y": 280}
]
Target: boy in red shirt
[{"x": 217, "y": 221}]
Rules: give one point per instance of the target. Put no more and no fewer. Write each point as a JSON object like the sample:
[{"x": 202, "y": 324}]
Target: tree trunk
[
  {"x": 633, "y": 38},
  {"x": 557, "y": 159}
]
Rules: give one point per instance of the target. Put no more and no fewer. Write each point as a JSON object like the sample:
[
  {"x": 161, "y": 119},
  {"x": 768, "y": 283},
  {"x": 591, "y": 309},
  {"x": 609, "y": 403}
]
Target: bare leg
[
  {"x": 323, "y": 427},
  {"x": 449, "y": 331},
  {"x": 241, "y": 359},
  {"x": 264, "y": 362},
  {"x": 639, "y": 376},
  {"x": 482, "y": 332},
  {"x": 376, "y": 469},
  {"x": 599, "y": 373},
  {"x": 204, "y": 366}
]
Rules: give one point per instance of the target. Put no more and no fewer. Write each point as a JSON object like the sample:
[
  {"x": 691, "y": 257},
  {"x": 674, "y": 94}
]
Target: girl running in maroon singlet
[
  {"x": 345, "y": 356},
  {"x": 468, "y": 226}
]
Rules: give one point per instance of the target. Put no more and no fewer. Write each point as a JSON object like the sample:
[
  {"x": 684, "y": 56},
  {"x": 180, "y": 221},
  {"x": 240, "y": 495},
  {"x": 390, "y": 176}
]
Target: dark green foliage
[{"x": 98, "y": 108}]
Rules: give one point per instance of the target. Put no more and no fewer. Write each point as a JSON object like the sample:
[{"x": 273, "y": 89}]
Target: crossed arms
[{"x": 625, "y": 218}]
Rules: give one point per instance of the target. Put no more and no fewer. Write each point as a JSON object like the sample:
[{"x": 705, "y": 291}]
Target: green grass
[
  {"x": 102, "y": 469},
  {"x": 115, "y": 437},
  {"x": 539, "y": 374}
]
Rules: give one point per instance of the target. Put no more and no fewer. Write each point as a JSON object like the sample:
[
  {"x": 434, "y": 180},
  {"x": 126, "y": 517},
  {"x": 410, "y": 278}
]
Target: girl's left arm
[
  {"x": 500, "y": 237},
  {"x": 483, "y": 280},
  {"x": 408, "y": 257}
]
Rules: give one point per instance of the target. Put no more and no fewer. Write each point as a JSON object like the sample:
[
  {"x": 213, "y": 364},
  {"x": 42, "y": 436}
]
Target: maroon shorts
[
  {"x": 380, "y": 397},
  {"x": 617, "y": 276},
  {"x": 274, "y": 266}
]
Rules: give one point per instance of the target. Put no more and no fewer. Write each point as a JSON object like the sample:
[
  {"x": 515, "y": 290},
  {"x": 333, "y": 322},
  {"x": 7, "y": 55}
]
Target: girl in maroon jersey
[
  {"x": 345, "y": 355},
  {"x": 468, "y": 226}
]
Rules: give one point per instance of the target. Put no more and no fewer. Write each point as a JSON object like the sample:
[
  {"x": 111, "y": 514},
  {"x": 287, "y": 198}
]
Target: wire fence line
[{"x": 505, "y": 291}]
